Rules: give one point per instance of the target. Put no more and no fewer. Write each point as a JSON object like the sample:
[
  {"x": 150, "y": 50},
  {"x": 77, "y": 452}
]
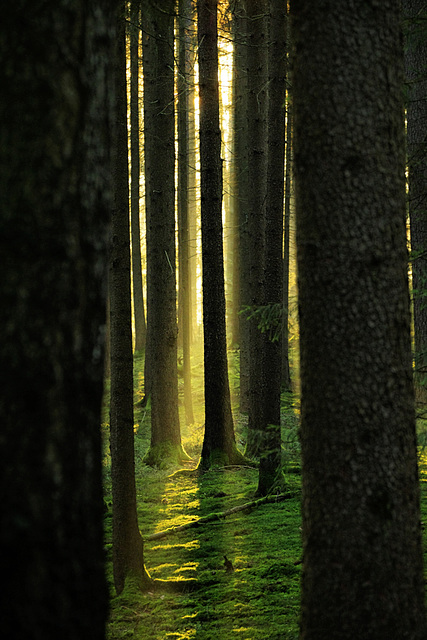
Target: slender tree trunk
[
  {"x": 241, "y": 191},
  {"x": 270, "y": 461},
  {"x": 286, "y": 374},
  {"x": 184, "y": 300},
  {"x": 128, "y": 557},
  {"x": 257, "y": 179},
  {"x": 363, "y": 571},
  {"x": 219, "y": 445},
  {"x": 138, "y": 296},
  {"x": 416, "y": 77},
  {"x": 55, "y": 122},
  {"x": 159, "y": 129}
]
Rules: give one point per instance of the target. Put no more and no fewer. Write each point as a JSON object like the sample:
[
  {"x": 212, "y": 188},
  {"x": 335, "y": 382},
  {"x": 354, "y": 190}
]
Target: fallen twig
[{"x": 211, "y": 517}]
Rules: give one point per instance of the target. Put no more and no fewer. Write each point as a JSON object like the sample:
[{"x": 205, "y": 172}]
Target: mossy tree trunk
[
  {"x": 362, "y": 569},
  {"x": 55, "y": 122},
  {"x": 128, "y": 556},
  {"x": 219, "y": 446}
]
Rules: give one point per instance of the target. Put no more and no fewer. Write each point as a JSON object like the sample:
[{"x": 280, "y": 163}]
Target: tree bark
[
  {"x": 55, "y": 119},
  {"x": 257, "y": 193},
  {"x": 138, "y": 295},
  {"x": 271, "y": 445},
  {"x": 159, "y": 130},
  {"x": 362, "y": 570},
  {"x": 128, "y": 556},
  {"x": 286, "y": 373},
  {"x": 416, "y": 82},
  {"x": 184, "y": 298},
  {"x": 219, "y": 446},
  {"x": 241, "y": 191}
]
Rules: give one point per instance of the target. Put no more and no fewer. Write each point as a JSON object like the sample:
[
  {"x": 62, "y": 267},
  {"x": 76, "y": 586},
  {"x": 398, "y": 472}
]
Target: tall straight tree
[
  {"x": 138, "y": 295},
  {"x": 257, "y": 64},
  {"x": 362, "y": 571},
  {"x": 128, "y": 557},
  {"x": 286, "y": 374},
  {"x": 416, "y": 78},
  {"x": 184, "y": 288},
  {"x": 240, "y": 181},
  {"x": 159, "y": 131},
  {"x": 270, "y": 460},
  {"x": 55, "y": 120},
  {"x": 219, "y": 445}
]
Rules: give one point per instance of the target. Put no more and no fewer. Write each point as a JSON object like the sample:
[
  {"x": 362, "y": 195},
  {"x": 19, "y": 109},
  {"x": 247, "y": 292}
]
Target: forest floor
[{"x": 259, "y": 598}]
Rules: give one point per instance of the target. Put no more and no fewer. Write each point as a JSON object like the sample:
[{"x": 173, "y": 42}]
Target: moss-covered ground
[{"x": 258, "y": 598}]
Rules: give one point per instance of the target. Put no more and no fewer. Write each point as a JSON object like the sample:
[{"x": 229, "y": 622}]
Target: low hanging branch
[{"x": 211, "y": 517}]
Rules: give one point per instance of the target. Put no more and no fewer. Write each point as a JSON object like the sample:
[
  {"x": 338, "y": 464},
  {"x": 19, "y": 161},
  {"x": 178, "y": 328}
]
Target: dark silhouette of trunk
[
  {"x": 138, "y": 296},
  {"x": 416, "y": 78},
  {"x": 219, "y": 446},
  {"x": 184, "y": 299},
  {"x": 257, "y": 180},
  {"x": 159, "y": 130},
  {"x": 270, "y": 460},
  {"x": 241, "y": 191},
  {"x": 55, "y": 123},
  {"x": 232, "y": 209},
  {"x": 286, "y": 374},
  {"x": 362, "y": 568},
  {"x": 128, "y": 556}
]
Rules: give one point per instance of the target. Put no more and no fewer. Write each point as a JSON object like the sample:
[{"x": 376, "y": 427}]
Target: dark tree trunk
[
  {"x": 286, "y": 373},
  {"x": 257, "y": 179},
  {"x": 416, "y": 77},
  {"x": 138, "y": 295},
  {"x": 184, "y": 299},
  {"x": 159, "y": 129},
  {"x": 128, "y": 557},
  {"x": 362, "y": 571},
  {"x": 241, "y": 191},
  {"x": 270, "y": 461},
  {"x": 55, "y": 120},
  {"x": 219, "y": 445}
]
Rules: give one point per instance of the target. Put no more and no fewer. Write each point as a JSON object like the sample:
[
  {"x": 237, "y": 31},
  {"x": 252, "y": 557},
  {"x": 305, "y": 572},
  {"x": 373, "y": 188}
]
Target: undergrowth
[{"x": 257, "y": 597}]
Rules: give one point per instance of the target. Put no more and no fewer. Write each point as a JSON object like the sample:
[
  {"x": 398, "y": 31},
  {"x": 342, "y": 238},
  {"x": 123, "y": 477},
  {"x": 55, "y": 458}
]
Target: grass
[{"x": 260, "y": 598}]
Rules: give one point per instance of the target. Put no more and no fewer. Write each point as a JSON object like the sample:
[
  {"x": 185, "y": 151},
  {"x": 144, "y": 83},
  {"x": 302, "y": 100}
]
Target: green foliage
[{"x": 269, "y": 318}]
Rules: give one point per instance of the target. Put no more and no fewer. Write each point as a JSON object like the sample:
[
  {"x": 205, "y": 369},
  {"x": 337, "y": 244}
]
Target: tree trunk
[
  {"x": 416, "y": 78},
  {"x": 270, "y": 461},
  {"x": 362, "y": 570},
  {"x": 241, "y": 191},
  {"x": 257, "y": 192},
  {"x": 184, "y": 300},
  {"x": 219, "y": 445},
  {"x": 286, "y": 374},
  {"x": 55, "y": 120},
  {"x": 159, "y": 129},
  {"x": 128, "y": 557},
  {"x": 138, "y": 295}
]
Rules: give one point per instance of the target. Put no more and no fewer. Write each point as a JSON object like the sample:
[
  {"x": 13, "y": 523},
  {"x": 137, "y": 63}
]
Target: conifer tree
[{"x": 362, "y": 569}]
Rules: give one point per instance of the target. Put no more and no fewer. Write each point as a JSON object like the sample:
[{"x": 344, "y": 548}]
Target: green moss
[
  {"x": 164, "y": 455},
  {"x": 259, "y": 599}
]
